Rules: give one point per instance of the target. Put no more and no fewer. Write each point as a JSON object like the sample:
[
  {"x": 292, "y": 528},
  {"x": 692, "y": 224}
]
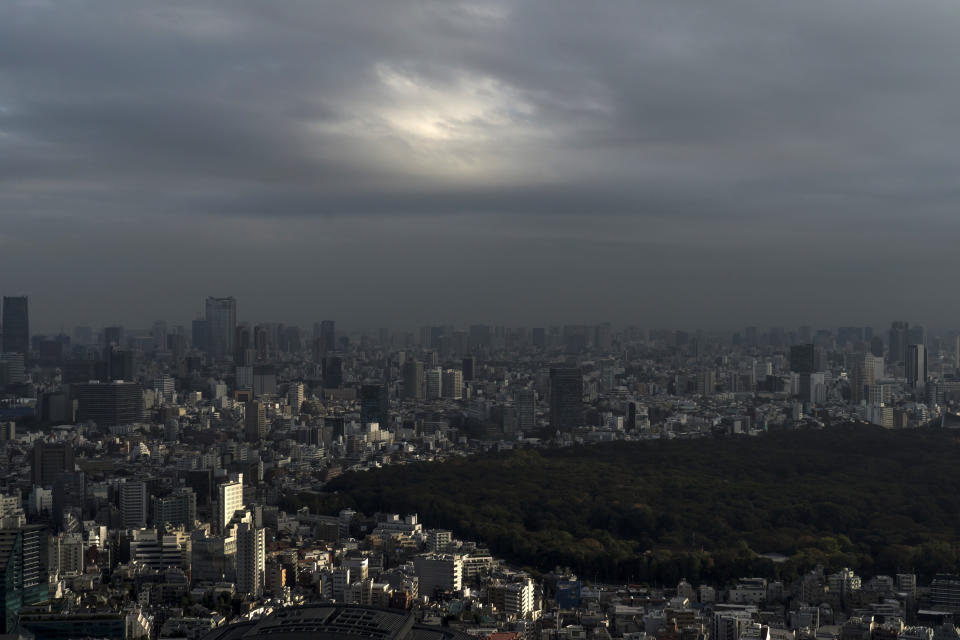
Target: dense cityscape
[
  {"x": 151, "y": 476},
  {"x": 479, "y": 320}
]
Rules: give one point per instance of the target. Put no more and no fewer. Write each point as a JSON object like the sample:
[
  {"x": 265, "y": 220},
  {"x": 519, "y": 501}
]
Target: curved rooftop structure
[{"x": 335, "y": 622}]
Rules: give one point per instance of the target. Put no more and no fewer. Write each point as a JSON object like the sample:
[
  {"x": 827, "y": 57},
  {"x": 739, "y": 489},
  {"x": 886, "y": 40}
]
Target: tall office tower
[
  {"x": 469, "y": 367},
  {"x": 332, "y": 373},
  {"x": 23, "y": 572},
  {"x": 479, "y": 337},
  {"x": 244, "y": 352},
  {"x": 261, "y": 343},
  {"x": 899, "y": 331},
  {"x": 229, "y": 501},
  {"x": 120, "y": 364},
  {"x": 16, "y": 325},
  {"x": 917, "y": 335},
  {"x": 374, "y": 405},
  {"x": 295, "y": 397},
  {"x": 113, "y": 336},
  {"x": 434, "y": 383},
  {"x": 251, "y": 560},
  {"x": 328, "y": 337},
  {"x": 133, "y": 505},
  {"x": 413, "y": 380},
  {"x": 916, "y": 365},
  {"x": 221, "y": 316},
  {"x": 452, "y": 386},
  {"x": 566, "y": 398},
  {"x": 109, "y": 403},
  {"x": 255, "y": 421},
  {"x": 956, "y": 352},
  {"x": 199, "y": 332},
  {"x": 802, "y": 358},
  {"x": 159, "y": 335},
  {"x": 36, "y": 571},
  {"x": 13, "y": 370},
  {"x": 876, "y": 346},
  {"x": 49, "y": 461},
  {"x": 862, "y": 376},
  {"x": 538, "y": 336},
  {"x": 69, "y": 499},
  {"x": 165, "y": 386}
]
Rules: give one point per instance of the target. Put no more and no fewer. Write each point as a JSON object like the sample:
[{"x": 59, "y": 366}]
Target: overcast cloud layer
[{"x": 705, "y": 163}]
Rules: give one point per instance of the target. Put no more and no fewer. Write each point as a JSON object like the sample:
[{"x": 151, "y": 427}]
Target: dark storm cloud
[{"x": 659, "y": 159}]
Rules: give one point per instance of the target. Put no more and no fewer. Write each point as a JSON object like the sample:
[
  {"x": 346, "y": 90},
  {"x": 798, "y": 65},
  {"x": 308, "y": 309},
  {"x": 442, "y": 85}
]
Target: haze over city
[{"x": 697, "y": 164}]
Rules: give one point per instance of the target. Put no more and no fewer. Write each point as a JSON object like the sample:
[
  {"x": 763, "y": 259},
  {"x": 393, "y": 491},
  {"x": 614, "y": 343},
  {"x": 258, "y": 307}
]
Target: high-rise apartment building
[
  {"x": 230, "y": 500},
  {"x": 16, "y": 325},
  {"x": 566, "y": 398},
  {"x": 251, "y": 560},
  {"x": 221, "y": 327}
]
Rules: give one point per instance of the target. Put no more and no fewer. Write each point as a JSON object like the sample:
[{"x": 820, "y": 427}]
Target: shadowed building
[
  {"x": 566, "y": 398},
  {"x": 16, "y": 325}
]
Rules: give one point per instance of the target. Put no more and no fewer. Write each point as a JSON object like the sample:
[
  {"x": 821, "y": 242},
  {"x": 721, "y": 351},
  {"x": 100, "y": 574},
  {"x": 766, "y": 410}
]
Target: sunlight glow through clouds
[{"x": 464, "y": 124}]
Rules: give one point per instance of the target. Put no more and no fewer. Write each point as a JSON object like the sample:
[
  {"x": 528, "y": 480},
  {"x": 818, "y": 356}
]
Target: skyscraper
[
  {"x": 327, "y": 336},
  {"x": 230, "y": 500},
  {"x": 802, "y": 358},
  {"x": 452, "y": 386},
  {"x": 469, "y": 365},
  {"x": 110, "y": 403},
  {"x": 295, "y": 397},
  {"x": 133, "y": 505},
  {"x": 255, "y": 421},
  {"x": 413, "y": 380},
  {"x": 374, "y": 405},
  {"x": 332, "y": 373},
  {"x": 16, "y": 325},
  {"x": 862, "y": 374},
  {"x": 50, "y": 460},
  {"x": 916, "y": 365},
  {"x": 526, "y": 409},
  {"x": 23, "y": 572},
  {"x": 566, "y": 398},
  {"x": 221, "y": 316},
  {"x": 899, "y": 330},
  {"x": 251, "y": 560},
  {"x": 434, "y": 383}
]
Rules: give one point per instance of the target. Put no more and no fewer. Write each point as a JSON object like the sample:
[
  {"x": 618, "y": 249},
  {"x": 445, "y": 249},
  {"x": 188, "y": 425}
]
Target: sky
[{"x": 696, "y": 164}]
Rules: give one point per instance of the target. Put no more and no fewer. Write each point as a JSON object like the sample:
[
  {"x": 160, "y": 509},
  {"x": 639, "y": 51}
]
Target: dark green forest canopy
[{"x": 875, "y": 500}]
